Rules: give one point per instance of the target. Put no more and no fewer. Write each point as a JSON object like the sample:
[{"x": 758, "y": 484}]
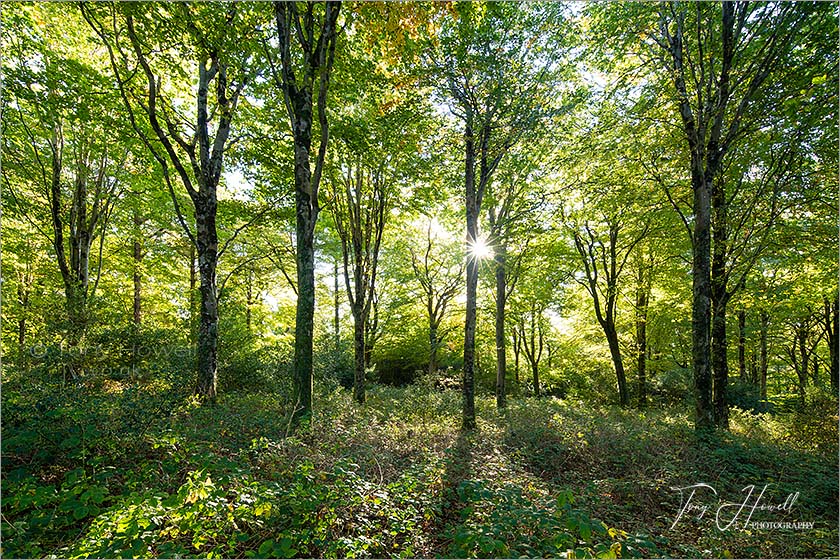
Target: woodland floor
[{"x": 122, "y": 471}]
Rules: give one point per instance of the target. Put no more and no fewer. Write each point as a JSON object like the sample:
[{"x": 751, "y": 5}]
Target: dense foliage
[
  {"x": 148, "y": 472},
  {"x": 458, "y": 279}
]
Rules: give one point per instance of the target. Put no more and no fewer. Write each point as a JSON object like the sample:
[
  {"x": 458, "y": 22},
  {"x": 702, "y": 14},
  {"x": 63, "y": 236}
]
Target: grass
[{"x": 139, "y": 471}]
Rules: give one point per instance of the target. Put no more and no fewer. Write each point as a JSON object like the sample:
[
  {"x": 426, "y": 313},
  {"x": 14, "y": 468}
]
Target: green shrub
[
  {"x": 307, "y": 514},
  {"x": 505, "y": 523},
  {"x": 333, "y": 365},
  {"x": 746, "y": 396}
]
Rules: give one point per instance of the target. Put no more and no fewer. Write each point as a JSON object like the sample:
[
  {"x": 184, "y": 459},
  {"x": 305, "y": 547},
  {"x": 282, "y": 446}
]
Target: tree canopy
[{"x": 496, "y": 208}]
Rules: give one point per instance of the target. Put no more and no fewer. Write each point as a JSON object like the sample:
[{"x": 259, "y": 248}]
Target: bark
[
  {"x": 371, "y": 329},
  {"x": 305, "y": 217},
  {"x": 24, "y": 290},
  {"x": 473, "y": 205},
  {"x": 196, "y": 161},
  {"x": 720, "y": 367},
  {"x": 92, "y": 194},
  {"x": 336, "y": 309},
  {"x": 207, "y": 254},
  {"x": 504, "y": 119},
  {"x": 712, "y": 123},
  {"x": 532, "y": 345},
  {"x": 516, "y": 351},
  {"x": 618, "y": 363},
  {"x": 193, "y": 300},
  {"x": 298, "y": 84},
  {"x": 700, "y": 308},
  {"x": 501, "y": 296},
  {"x": 831, "y": 317},
  {"x": 249, "y": 298},
  {"x": 719, "y": 299},
  {"x": 476, "y": 156},
  {"x": 359, "y": 353},
  {"x": 702, "y": 174},
  {"x": 535, "y": 371},
  {"x": 642, "y": 297},
  {"x": 603, "y": 265},
  {"x": 433, "y": 345},
  {"x": 359, "y": 213},
  {"x": 208, "y": 174},
  {"x": 137, "y": 255},
  {"x": 764, "y": 318},
  {"x": 800, "y": 356},
  {"x": 23, "y": 300},
  {"x": 742, "y": 342}
]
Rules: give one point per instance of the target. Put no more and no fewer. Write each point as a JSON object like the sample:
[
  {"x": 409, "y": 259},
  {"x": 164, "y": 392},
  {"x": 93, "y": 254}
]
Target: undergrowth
[{"x": 139, "y": 471}]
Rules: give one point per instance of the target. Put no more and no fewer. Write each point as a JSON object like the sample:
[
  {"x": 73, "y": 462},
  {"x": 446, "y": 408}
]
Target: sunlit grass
[{"x": 400, "y": 462}]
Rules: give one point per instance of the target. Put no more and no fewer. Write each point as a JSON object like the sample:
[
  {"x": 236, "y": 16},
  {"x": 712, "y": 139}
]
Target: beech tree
[
  {"x": 513, "y": 209},
  {"x": 300, "y": 68},
  {"x": 187, "y": 144},
  {"x": 716, "y": 61},
  {"x": 64, "y": 145},
  {"x": 604, "y": 252},
  {"x": 487, "y": 71},
  {"x": 440, "y": 277}
]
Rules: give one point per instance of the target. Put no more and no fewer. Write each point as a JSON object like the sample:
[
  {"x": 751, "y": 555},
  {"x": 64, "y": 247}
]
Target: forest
[{"x": 327, "y": 279}]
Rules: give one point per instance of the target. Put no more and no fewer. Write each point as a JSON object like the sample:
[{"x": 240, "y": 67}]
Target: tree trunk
[
  {"x": 706, "y": 154},
  {"x": 533, "y": 350},
  {"x": 535, "y": 370},
  {"x": 23, "y": 299},
  {"x": 700, "y": 308},
  {"x": 800, "y": 342},
  {"x": 317, "y": 57},
  {"x": 433, "y": 343},
  {"x": 193, "y": 303},
  {"x": 359, "y": 351},
  {"x": 360, "y": 225},
  {"x": 23, "y": 291},
  {"x": 371, "y": 329},
  {"x": 720, "y": 367},
  {"x": 138, "y": 263},
  {"x": 336, "y": 303},
  {"x": 719, "y": 300},
  {"x": 834, "y": 346},
  {"x": 472, "y": 209},
  {"x": 249, "y": 299},
  {"x": 468, "y": 381},
  {"x": 742, "y": 342},
  {"x": 762, "y": 360},
  {"x": 74, "y": 271},
  {"x": 305, "y": 311},
  {"x": 501, "y": 358},
  {"x": 641, "y": 335},
  {"x": 832, "y": 317},
  {"x": 618, "y": 363},
  {"x": 207, "y": 251},
  {"x": 516, "y": 350}
]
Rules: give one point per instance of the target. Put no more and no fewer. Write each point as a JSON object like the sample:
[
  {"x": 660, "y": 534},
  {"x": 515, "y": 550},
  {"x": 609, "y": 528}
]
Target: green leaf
[{"x": 266, "y": 547}]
